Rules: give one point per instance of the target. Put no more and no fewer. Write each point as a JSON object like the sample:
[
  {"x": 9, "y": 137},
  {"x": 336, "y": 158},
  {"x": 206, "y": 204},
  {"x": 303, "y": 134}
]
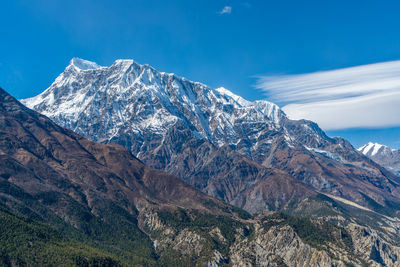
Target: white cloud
[
  {"x": 226, "y": 10},
  {"x": 363, "y": 96}
]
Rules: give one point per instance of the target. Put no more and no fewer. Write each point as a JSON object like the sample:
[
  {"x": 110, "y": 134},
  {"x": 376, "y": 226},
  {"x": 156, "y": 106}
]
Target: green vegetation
[
  {"x": 315, "y": 207},
  {"x": 24, "y": 242},
  {"x": 389, "y": 209},
  {"x": 241, "y": 213},
  {"x": 227, "y": 208},
  {"x": 197, "y": 221},
  {"x": 114, "y": 230},
  {"x": 312, "y": 233},
  {"x": 32, "y": 234},
  {"x": 202, "y": 224}
]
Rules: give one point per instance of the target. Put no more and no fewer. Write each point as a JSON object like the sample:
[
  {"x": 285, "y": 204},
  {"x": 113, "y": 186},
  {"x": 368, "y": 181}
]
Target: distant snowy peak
[
  {"x": 383, "y": 155},
  {"x": 372, "y": 149}
]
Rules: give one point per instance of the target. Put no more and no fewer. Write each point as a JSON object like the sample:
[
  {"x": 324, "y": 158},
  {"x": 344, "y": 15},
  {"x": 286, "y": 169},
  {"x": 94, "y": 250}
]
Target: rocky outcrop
[
  {"x": 373, "y": 247},
  {"x": 279, "y": 246},
  {"x": 274, "y": 241}
]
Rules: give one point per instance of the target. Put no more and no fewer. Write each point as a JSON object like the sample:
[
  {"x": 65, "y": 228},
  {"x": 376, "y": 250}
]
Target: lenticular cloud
[{"x": 365, "y": 96}]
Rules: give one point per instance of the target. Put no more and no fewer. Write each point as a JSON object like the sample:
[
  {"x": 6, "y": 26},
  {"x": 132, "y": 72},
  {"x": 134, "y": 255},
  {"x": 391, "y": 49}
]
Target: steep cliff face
[
  {"x": 189, "y": 129},
  {"x": 266, "y": 242},
  {"x": 273, "y": 240}
]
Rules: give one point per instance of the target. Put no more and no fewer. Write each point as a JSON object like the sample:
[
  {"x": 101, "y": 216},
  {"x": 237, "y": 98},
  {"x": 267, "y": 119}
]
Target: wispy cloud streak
[
  {"x": 226, "y": 10},
  {"x": 363, "y": 96}
]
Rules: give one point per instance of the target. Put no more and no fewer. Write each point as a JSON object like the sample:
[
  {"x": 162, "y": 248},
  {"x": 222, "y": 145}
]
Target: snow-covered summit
[
  {"x": 225, "y": 92},
  {"x": 128, "y": 96},
  {"x": 383, "y": 155},
  {"x": 202, "y": 134},
  {"x": 82, "y": 64},
  {"x": 372, "y": 149}
]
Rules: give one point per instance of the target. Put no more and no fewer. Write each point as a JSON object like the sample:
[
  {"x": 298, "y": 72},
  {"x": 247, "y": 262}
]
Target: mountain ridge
[
  {"x": 145, "y": 75},
  {"x": 182, "y": 127}
]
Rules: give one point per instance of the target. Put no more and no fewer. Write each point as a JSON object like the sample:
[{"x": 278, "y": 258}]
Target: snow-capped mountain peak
[
  {"x": 383, "y": 155},
  {"x": 371, "y": 149},
  {"x": 81, "y": 64},
  {"x": 192, "y": 130},
  {"x": 225, "y": 92},
  {"x": 138, "y": 98}
]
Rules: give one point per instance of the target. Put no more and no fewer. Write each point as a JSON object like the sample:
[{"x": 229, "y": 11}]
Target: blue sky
[{"x": 197, "y": 40}]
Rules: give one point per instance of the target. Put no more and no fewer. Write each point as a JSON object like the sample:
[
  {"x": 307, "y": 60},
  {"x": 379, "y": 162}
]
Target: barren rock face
[
  {"x": 217, "y": 141},
  {"x": 279, "y": 245},
  {"x": 275, "y": 241}
]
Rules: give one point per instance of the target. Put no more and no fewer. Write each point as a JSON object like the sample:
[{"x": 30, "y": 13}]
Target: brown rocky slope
[
  {"x": 215, "y": 140},
  {"x": 103, "y": 195}
]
